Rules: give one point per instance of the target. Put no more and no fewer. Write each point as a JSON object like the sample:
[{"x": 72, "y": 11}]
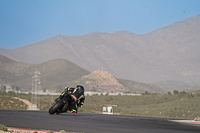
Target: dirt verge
[{"x": 30, "y": 105}]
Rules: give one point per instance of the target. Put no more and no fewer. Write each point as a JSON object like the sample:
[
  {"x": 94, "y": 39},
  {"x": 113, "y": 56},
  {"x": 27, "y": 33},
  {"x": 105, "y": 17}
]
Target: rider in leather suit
[{"x": 77, "y": 97}]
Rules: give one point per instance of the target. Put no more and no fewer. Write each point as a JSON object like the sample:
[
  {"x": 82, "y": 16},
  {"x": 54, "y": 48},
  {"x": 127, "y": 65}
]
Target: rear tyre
[{"x": 55, "y": 107}]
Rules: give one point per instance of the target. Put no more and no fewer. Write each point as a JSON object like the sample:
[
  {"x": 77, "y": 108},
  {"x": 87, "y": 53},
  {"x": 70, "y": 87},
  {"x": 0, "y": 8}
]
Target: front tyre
[{"x": 55, "y": 107}]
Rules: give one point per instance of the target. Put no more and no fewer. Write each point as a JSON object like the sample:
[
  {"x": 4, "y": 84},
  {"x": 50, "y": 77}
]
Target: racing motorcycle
[{"x": 61, "y": 105}]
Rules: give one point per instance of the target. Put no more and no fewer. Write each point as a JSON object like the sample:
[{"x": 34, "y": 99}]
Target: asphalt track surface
[{"x": 91, "y": 123}]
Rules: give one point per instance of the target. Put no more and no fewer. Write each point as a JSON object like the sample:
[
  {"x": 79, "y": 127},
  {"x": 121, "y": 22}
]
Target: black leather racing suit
[{"x": 77, "y": 97}]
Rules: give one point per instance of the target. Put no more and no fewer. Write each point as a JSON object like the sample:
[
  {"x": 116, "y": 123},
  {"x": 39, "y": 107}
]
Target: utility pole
[{"x": 35, "y": 82}]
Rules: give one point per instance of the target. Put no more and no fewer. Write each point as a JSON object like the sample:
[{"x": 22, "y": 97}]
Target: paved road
[{"x": 91, "y": 123}]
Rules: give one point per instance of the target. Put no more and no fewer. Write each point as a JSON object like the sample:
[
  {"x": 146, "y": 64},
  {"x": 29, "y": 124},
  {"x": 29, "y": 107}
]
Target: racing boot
[
  {"x": 73, "y": 111},
  {"x": 74, "y": 107}
]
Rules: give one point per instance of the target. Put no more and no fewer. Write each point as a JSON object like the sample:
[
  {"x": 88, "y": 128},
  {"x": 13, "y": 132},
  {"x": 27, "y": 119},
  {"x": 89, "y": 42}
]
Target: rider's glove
[
  {"x": 57, "y": 99},
  {"x": 66, "y": 88},
  {"x": 80, "y": 104}
]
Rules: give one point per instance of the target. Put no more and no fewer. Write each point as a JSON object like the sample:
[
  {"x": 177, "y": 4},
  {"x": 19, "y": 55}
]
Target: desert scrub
[
  {"x": 3, "y": 128},
  {"x": 197, "y": 119},
  {"x": 182, "y": 105},
  {"x": 7, "y": 102},
  {"x": 62, "y": 131}
]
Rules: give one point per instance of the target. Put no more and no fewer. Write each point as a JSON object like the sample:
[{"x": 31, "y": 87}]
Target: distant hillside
[
  {"x": 142, "y": 87},
  {"x": 12, "y": 71},
  {"x": 53, "y": 72},
  {"x": 172, "y": 85},
  {"x": 161, "y": 87},
  {"x": 100, "y": 81},
  {"x": 169, "y": 53},
  {"x": 58, "y": 73}
]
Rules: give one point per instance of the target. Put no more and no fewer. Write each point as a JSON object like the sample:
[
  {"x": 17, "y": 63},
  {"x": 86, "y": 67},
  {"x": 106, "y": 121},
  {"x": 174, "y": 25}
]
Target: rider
[{"x": 77, "y": 97}]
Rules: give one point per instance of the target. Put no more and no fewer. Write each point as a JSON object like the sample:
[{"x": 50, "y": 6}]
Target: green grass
[
  {"x": 169, "y": 106},
  {"x": 181, "y": 105}
]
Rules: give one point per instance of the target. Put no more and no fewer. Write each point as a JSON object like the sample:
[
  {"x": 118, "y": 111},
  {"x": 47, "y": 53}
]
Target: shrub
[
  {"x": 62, "y": 131},
  {"x": 197, "y": 119},
  {"x": 2, "y": 127},
  {"x": 175, "y": 92},
  {"x": 169, "y": 93}
]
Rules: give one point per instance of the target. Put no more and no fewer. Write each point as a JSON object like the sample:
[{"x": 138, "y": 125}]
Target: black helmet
[{"x": 80, "y": 88}]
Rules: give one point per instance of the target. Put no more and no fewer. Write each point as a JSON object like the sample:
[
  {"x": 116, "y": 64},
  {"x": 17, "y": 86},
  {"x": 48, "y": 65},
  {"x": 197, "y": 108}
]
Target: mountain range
[
  {"x": 53, "y": 72},
  {"x": 170, "y": 53},
  {"x": 59, "y": 73}
]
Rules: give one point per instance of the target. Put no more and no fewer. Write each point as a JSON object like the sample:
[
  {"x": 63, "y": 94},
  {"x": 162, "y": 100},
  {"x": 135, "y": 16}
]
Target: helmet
[{"x": 80, "y": 88}]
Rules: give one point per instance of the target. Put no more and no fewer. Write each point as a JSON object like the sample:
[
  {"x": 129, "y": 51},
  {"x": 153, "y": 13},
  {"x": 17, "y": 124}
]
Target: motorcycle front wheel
[{"x": 58, "y": 105}]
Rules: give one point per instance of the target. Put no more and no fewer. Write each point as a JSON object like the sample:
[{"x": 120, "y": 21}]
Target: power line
[{"x": 35, "y": 83}]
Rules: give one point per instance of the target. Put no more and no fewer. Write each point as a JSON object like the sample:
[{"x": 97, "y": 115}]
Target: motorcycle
[{"x": 61, "y": 105}]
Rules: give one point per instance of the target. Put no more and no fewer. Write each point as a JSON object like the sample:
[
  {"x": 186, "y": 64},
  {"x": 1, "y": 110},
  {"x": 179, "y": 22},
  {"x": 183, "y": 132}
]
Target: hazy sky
[{"x": 23, "y": 22}]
